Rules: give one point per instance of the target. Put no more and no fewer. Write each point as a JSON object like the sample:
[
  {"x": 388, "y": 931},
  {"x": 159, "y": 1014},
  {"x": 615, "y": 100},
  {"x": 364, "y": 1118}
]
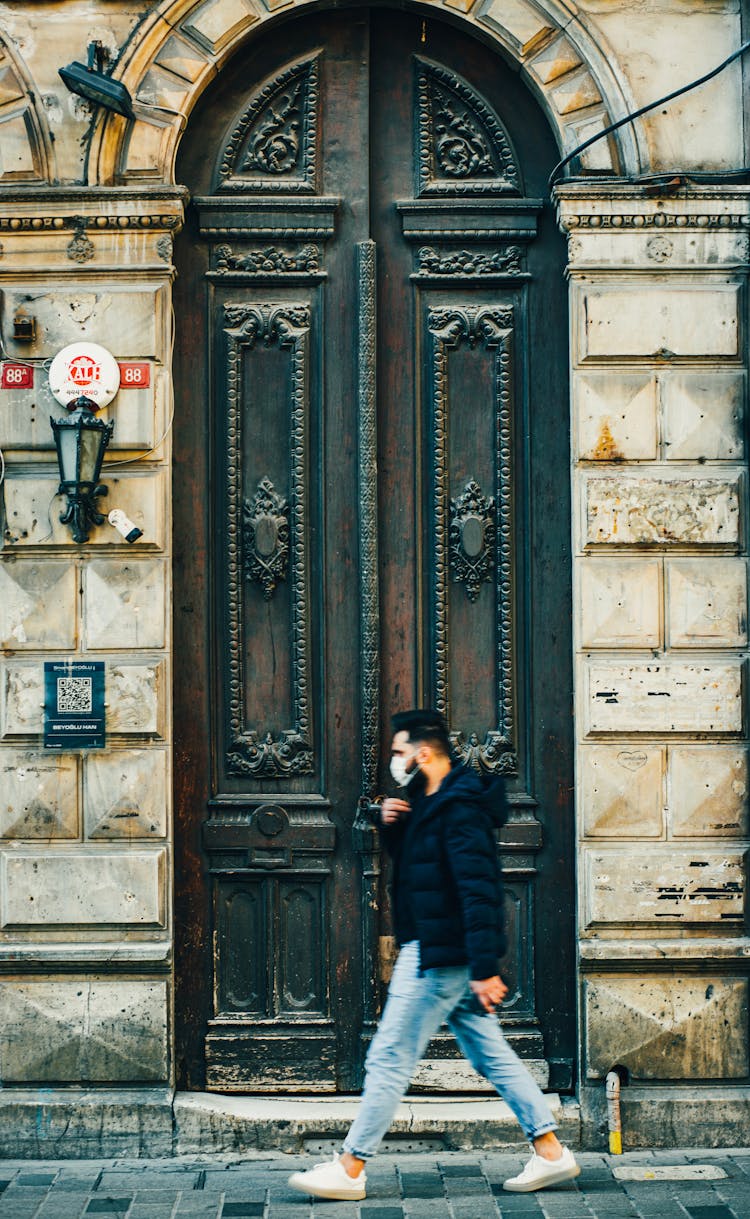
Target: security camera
[{"x": 124, "y": 525}]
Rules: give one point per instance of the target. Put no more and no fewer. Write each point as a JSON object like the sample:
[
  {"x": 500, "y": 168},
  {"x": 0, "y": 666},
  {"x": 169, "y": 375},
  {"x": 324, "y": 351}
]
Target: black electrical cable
[{"x": 629, "y": 118}]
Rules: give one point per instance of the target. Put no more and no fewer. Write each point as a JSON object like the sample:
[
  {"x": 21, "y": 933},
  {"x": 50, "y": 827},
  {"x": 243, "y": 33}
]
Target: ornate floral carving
[
  {"x": 472, "y": 538},
  {"x": 80, "y": 249},
  {"x": 269, "y": 260},
  {"x": 265, "y": 525},
  {"x": 273, "y": 144},
  {"x": 368, "y": 518},
  {"x": 490, "y": 755},
  {"x": 253, "y": 751},
  {"x": 489, "y": 327},
  {"x": 463, "y": 146},
  {"x": 467, "y": 263},
  {"x": 659, "y": 248}
]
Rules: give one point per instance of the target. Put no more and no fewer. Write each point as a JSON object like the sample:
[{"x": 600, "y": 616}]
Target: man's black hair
[{"x": 422, "y": 724}]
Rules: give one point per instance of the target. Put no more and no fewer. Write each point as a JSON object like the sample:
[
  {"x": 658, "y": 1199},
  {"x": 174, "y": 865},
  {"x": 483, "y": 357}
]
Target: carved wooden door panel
[{"x": 372, "y": 513}]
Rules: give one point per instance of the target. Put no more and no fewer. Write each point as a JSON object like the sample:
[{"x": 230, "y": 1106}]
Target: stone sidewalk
[{"x": 449, "y": 1185}]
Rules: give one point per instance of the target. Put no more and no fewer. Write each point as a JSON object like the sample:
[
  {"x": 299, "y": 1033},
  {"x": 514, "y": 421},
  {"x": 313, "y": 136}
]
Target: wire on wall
[{"x": 634, "y": 114}]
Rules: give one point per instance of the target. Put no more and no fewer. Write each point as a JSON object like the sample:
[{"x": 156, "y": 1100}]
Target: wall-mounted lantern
[{"x": 81, "y": 440}]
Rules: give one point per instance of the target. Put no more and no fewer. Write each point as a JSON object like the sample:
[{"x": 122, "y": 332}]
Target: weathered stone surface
[
  {"x": 651, "y": 511},
  {"x": 215, "y": 22},
  {"x": 622, "y": 791},
  {"x": 663, "y": 885},
  {"x": 649, "y": 319},
  {"x": 125, "y": 794},
  {"x": 707, "y": 602},
  {"x": 133, "y": 695},
  {"x": 664, "y": 698},
  {"x": 708, "y": 788},
  {"x": 131, "y": 321},
  {"x": 86, "y": 1123},
  {"x": 38, "y": 605},
  {"x": 620, "y": 602},
  {"x": 71, "y": 889},
  {"x": 616, "y": 413},
  {"x": 38, "y": 795},
  {"x": 518, "y": 24},
  {"x": 124, "y": 603},
  {"x": 703, "y": 415},
  {"x": 673, "y": 1027},
  {"x": 33, "y": 509},
  {"x": 26, "y": 415},
  {"x": 84, "y": 1030}
]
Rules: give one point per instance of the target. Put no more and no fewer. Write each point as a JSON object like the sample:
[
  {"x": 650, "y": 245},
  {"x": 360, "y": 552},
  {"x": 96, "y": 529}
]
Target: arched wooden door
[{"x": 371, "y": 497}]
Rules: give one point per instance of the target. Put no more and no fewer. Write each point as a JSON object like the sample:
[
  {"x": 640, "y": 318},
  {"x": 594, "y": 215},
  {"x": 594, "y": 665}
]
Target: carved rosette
[
  {"x": 490, "y": 328},
  {"x": 472, "y": 538},
  {"x": 463, "y": 146},
  {"x": 254, "y": 751},
  {"x": 272, "y": 147},
  {"x": 265, "y": 526}
]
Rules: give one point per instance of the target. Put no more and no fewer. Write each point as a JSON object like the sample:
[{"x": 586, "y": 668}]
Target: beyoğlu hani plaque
[{"x": 74, "y": 704}]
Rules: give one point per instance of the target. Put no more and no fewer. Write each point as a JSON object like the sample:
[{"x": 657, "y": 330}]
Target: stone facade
[{"x": 658, "y": 366}]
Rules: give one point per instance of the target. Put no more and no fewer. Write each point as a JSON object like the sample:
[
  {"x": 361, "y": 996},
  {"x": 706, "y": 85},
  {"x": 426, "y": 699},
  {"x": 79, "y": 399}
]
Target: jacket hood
[{"x": 469, "y": 786}]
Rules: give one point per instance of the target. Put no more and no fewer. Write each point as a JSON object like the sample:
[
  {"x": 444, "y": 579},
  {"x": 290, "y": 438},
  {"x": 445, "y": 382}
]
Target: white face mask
[{"x": 399, "y": 773}]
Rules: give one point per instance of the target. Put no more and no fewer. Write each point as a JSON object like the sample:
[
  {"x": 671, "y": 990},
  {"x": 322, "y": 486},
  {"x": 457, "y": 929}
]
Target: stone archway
[
  {"x": 24, "y": 132},
  {"x": 181, "y": 45}
]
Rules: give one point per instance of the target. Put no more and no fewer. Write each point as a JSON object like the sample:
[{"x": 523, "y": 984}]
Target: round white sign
[{"x": 84, "y": 368}]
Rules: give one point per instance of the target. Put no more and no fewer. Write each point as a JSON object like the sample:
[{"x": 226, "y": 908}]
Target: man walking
[{"x": 448, "y": 915}]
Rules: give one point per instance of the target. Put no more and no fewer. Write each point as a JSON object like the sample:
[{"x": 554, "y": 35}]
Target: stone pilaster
[
  {"x": 85, "y": 922},
  {"x": 659, "y": 393}
]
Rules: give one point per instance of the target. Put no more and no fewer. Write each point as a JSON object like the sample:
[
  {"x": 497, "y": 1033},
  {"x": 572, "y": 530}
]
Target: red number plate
[
  {"x": 135, "y": 374},
  {"x": 17, "y": 376}
]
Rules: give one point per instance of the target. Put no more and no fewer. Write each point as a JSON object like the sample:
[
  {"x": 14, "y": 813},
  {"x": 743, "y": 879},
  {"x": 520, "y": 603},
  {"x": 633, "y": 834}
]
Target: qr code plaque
[{"x": 74, "y": 694}]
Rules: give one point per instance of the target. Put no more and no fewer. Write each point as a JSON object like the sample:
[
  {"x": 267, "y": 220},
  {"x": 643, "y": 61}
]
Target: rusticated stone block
[
  {"x": 664, "y": 698},
  {"x": 616, "y": 415},
  {"x": 83, "y": 1030},
  {"x": 133, "y": 318},
  {"x": 708, "y": 791},
  {"x": 516, "y": 21},
  {"x": 26, "y": 415},
  {"x": 71, "y": 889},
  {"x": 33, "y": 510},
  {"x": 649, "y": 319},
  {"x": 216, "y": 22},
  {"x": 650, "y": 511},
  {"x": 707, "y": 600},
  {"x": 38, "y": 605},
  {"x": 622, "y": 791},
  {"x": 620, "y": 603},
  {"x": 38, "y": 795},
  {"x": 667, "y": 1027},
  {"x": 663, "y": 885},
  {"x": 124, "y": 602},
  {"x": 125, "y": 794},
  {"x": 133, "y": 695},
  {"x": 703, "y": 415}
]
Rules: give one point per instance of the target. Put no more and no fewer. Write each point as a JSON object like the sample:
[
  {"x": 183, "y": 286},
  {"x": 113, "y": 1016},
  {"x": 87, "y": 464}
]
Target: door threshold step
[{"x": 210, "y": 1123}]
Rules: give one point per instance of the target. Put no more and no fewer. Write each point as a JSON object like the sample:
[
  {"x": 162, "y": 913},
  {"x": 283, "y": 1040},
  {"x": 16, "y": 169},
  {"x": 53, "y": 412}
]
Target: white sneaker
[
  {"x": 330, "y": 1180},
  {"x": 539, "y": 1173}
]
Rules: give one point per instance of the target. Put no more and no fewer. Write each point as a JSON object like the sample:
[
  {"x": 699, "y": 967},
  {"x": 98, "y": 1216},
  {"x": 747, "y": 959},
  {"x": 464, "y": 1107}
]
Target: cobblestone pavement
[{"x": 447, "y": 1185}]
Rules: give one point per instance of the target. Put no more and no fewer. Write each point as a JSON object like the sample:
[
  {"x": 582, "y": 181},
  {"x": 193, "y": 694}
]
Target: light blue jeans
[{"x": 415, "y": 1009}]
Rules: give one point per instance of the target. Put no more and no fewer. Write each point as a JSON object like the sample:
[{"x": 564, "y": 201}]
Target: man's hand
[
  {"x": 392, "y": 810},
  {"x": 490, "y": 992}
]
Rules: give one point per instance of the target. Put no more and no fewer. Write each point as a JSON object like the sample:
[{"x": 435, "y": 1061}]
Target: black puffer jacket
[{"x": 450, "y": 866}]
